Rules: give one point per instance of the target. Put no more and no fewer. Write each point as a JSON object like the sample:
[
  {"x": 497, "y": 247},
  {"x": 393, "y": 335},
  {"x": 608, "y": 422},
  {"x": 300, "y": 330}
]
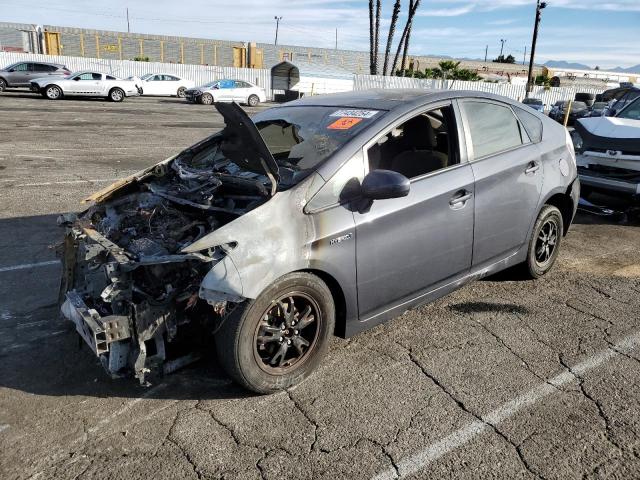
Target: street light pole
[
  {"x": 539, "y": 6},
  {"x": 277, "y": 19},
  {"x": 502, "y": 42}
]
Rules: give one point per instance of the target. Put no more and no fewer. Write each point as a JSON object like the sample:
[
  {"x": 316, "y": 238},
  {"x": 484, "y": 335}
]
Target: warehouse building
[{"x": 103, "y": 44}]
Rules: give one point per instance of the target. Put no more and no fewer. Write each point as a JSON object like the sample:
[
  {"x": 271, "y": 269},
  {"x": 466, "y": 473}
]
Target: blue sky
[{"x": 604, "y": 33}]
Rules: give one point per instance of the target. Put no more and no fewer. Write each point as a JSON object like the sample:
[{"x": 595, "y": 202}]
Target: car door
[
  {"x": 508, "y": 172},
  {"x": 170, "y": 85},
  {"x": 241, "y": 91},
  {"x": 88, "y": 84},
  {"x": 20, "y": 75},
  {"x": 226, "y": 91},
  {"x": 153, "y": 85},
  {"x": 409, "y": 246}
]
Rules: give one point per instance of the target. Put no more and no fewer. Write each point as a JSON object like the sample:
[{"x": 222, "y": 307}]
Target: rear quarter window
[{"x": 531, "y": 123}]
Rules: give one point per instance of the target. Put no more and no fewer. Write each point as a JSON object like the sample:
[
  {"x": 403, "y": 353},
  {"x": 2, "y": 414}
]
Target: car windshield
[
  {"x": 632, "y": 111},
  {"x": 146, "y": 76},
  {"x": 302, "y": 138},
  {"x": 209, "y": 85},
  {"x": 532, "y": 101}
]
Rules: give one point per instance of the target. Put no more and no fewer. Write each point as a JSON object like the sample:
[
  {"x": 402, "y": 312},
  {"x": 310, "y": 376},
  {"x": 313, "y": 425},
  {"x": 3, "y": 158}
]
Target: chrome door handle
[
  {"x": 459, "y": 198},
  {"x": 532, "y": 168}
]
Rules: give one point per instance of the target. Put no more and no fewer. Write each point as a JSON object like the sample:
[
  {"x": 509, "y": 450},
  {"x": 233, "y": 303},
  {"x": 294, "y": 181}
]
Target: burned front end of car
[{"x": 127, "y": 284}]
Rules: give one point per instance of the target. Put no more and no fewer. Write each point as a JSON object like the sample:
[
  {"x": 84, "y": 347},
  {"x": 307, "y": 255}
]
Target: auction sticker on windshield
[
  {"x": 344, "y": 123},
  {"x": 356, "y": 113}
]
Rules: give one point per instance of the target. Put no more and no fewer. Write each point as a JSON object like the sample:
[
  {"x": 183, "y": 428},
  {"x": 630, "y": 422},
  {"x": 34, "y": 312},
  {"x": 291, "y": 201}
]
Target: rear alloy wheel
[
  {"x": 181, "y": 92},
  {"x": 253, "y": 101},
  {"x": 206, "y": 99},
  {"x": 116, "y": 94},
  {"x": 3, "y": 84},
  {"x": 279, "y": 338},
  {"x": 544, "y": 243},
  {"x": 53, "y": 92}
]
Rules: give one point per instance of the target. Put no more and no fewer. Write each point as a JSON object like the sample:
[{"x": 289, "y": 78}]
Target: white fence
[
  {"x": 549, "y": 95},
  {"x": 124, "y": 68},
  {"x": 262, "y": 77}
]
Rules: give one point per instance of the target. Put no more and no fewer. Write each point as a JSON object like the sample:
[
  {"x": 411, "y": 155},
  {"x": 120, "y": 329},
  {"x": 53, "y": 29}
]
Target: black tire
[
  {"x": 537, "y": 264},
  {"x": 206, "y": 99},
  {"x": 238, "y": 340},
  {"x": 3, "y": 85},
  {"x": 181, "y": 92},
  {"x": 53, "y": 92},
  {"x": 116, "y": 94},
  {"x": 253, "y": 101}
]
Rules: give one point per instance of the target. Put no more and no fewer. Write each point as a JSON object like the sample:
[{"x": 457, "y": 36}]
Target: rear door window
[{"x": 493, "y": 128}]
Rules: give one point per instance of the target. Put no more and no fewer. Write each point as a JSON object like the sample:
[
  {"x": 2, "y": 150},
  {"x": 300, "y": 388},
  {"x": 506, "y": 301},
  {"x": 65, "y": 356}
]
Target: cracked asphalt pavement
[{"x": 502, "y": 379}]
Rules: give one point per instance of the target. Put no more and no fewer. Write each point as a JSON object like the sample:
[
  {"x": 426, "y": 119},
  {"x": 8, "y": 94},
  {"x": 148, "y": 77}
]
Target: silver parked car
[
  {"x": 85, "y": 84},
  {"x": 327, "y": 215},
  {"x": 22, "y": 73},
  {"x": 237, "y": 91}
]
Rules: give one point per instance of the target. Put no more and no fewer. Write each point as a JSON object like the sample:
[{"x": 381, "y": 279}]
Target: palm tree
[
  {"x": 371, "y": 35},
  {"x": 377, "y": 38},
  {"x": 392, "y": 28},
  {"x": 406, "y": 44},
  {"x": 413, "y": 7}
]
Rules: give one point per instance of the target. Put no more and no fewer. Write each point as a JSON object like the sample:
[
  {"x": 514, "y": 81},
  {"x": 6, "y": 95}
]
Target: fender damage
[{"x": 129, "y": 285}]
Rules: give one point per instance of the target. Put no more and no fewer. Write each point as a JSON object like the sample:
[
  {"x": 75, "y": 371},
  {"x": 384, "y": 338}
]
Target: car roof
[{"x": 391, "y": 99}]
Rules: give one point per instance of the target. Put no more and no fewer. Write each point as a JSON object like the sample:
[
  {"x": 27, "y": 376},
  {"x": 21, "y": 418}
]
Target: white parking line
[
  {"x": 25, "y": 266},
  {"x": 419, "y": 460}
]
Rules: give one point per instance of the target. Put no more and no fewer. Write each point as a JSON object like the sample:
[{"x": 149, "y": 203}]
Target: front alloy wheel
[
  {"x": 206, "y": 99},
  {"x": 116, "y": 95},
  {"x": 53, "y": 92},
  {"x": 3, "y": 84},
  {"x": 277, "y": 340},
  {"x": 287, "y": 333}
]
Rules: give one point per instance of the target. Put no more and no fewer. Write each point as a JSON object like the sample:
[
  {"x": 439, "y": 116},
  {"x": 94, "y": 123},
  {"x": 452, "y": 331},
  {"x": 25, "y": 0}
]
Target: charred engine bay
[
  {"x": 122, "y": 256},
  {"x": 177, "y": 203}
]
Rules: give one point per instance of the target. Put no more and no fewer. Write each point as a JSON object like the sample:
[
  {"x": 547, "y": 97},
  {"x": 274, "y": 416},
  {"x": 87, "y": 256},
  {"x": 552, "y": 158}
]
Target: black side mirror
[
  {"x": 381, "y": 184},
  {"x": 12, "y": 70},
  {"x": 76, "y": 79}
]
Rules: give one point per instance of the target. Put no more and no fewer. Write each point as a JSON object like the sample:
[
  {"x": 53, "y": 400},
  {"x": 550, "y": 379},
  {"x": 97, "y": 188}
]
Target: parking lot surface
[{"x": 502, "y": 379}]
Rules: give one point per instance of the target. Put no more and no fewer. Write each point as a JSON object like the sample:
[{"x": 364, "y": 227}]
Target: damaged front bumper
[
  {"x": 605, "y": 175},
  {"x": 111, "y": 298}
]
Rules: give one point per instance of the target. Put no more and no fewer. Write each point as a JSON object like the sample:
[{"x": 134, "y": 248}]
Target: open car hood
[{"x": 243, "y": 144}]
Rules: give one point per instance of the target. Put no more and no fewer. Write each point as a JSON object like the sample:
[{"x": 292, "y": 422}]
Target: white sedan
[
  {"x": 164, "y": 84},
  {"x": 85, "y": 84},
  {"x": 237, "y": 91}
]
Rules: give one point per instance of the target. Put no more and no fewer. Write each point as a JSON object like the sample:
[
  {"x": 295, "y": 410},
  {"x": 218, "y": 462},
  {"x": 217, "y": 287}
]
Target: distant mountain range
[{"x": 582, "y": 66}]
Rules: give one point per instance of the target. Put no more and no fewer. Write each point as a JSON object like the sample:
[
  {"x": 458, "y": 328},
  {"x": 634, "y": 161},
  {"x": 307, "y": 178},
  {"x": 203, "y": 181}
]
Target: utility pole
[
  {"x": 502, "y": 42},
  {"x": 277, "y": 19},
  {"x": 128, "y": 28},
  {"x": 486, "y": 49},
  {"x": 336, "y": 38},
  {"x": 539, "y": 6},
  {"x": 524, "y": 59}
]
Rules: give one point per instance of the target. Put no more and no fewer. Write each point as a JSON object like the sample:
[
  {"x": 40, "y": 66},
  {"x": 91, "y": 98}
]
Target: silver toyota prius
[{"x": 327, "y": 215}]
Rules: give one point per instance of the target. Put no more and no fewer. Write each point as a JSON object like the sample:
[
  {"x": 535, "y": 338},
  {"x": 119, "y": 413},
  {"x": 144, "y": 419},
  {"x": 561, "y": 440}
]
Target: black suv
[{"x": 20, "y": 74}]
